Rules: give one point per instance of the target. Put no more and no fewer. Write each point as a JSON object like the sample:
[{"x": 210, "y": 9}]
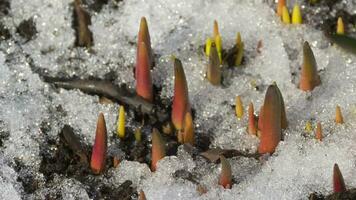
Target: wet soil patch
[
  {"x": 27, "y": 29},
  {"x": 348, "y": 195},
  {"x": 65, "y": 158}
]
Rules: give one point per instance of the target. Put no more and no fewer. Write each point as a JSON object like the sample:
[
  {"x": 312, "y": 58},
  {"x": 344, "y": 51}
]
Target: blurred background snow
[{"x": 300, "y": 166}]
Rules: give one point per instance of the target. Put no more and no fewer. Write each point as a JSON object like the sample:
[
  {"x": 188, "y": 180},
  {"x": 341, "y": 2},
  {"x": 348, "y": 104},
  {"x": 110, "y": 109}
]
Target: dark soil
[{"x": 27, "y": 29}]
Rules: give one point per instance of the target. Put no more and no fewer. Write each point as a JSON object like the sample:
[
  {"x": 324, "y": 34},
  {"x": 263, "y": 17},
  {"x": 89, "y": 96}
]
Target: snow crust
[{"x": 300, "y": 166}]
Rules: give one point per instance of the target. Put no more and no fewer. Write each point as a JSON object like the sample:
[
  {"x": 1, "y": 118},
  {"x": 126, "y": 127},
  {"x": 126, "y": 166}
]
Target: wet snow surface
[{"x": 32, "y": 111}]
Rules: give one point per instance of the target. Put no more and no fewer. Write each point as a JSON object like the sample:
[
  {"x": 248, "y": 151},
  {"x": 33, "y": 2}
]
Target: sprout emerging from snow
[
  {"x": 340, "y": 27},
  {"x": 98, "y": 157},
  {"x": 285, "y": 15},
  {"x": 239, "y": 110},
  {"x": 338, "y": 180},
  {"x": 181, "y": 103},
  {"x": 121, "y": 123},
  {"x": 271, "y": 121},
  {"x": 338, "y": 115},
  {"x": 225, "y": 174},
  {"x": 309, "y": 77},
  {"x": 143, "y": 73},
  {"x": 319, "y": 132},
  {"x": 240, "y": 49},
  {"x": 296, "y": 14}
]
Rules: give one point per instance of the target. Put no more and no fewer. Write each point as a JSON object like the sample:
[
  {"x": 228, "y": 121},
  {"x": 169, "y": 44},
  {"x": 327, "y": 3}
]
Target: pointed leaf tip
[
  {"x": 158, "y": 149},
  {"x": 271, "y": 129},
  {"x": 338, "y": 116},
  {"x": 285, "y": 15},
  {"x": 296, "y": 14},
  {"x": 216, "y": 29},
  {"x": 340, "y": 30},
  {"x": 338, "y": 180},
  {"x": 180, "y": 99},
  {"x": 319, "y": 132},
  {"x": 240, "y": 49},
  {"x": 144, "y": 36},
  {"x": 225, "y": 179},
  {"x": 239, "y": 110},
  {"x": 121, "y": 123},
  {"x": 98, "y": 156},
  {"x": 309, "y": 77}
]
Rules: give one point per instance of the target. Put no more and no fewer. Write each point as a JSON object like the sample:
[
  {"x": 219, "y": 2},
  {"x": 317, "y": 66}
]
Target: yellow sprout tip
[
  {"x": 340, "y": 29},
  {"x": 285, "y": 15},
  {"x": 239, "y": 108},
  {"x": 308, "y": 127},
  {"x": 296, "y": 15},
  {"x": 121, "y": 123}
]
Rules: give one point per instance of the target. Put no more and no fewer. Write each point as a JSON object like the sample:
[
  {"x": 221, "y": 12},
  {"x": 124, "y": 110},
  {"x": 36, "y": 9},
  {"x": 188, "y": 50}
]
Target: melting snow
[{"x": 301, "y": 165}]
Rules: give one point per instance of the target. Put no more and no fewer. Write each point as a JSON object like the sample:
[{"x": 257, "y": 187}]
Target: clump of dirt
[
  {"x": 4, "y": 7},
  {"x": 348, "y": 195},
  {"x": 63, "y": 157},
  {"x": 27, "y": 29}
]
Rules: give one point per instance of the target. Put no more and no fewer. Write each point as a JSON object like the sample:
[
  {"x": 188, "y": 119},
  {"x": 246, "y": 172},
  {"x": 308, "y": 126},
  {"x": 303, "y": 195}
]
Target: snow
[{"x": 300, "y": 166}]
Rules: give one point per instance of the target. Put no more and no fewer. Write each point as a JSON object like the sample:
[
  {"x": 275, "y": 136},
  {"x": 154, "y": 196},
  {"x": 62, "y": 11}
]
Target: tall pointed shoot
[
  {"x": 285, "y": 15},
  {"x": 143, "y": 73},
  {"x": 309, "y": 77},
  {"x": 180, "y": 99},
  {"x": 338, "y": 180},
  {"x": 296, "y": 14},
  {"x": 340, "y": 26},
  {"x": 239, "y": 110},
  {"x": 144, "y": 36},
  {"x": 98, "y": 156},
  {"x": 338, "y": 116},
  {"x": 240, "y": 49},
  {"x": 225, "y": 179},
  {"x": 121, "y": 123},
  {"x": 271, "y": 121}
]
